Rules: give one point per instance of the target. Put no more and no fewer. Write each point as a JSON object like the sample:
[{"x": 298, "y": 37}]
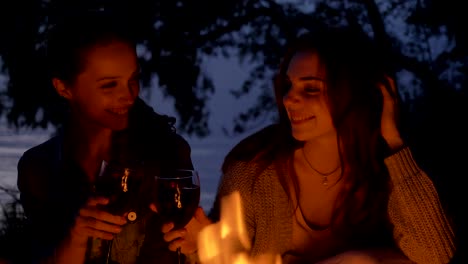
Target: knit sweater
[{"x": 421, "y": 229}]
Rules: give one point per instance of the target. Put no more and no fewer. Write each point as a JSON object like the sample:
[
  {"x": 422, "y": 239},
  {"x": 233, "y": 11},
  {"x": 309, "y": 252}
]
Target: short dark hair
[{"x": 71, "y": 36}]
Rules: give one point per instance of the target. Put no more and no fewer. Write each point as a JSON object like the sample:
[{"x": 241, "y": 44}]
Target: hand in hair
[{"x": 390, "y": 112}]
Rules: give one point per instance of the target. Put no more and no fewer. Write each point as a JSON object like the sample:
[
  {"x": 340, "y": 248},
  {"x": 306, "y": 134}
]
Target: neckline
[
  {"x": 310, "y": 225},
  {"x": 296, "y": 204}
]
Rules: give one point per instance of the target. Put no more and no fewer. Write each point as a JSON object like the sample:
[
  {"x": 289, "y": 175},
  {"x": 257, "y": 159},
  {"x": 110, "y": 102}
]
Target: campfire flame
[{"x": 227, "y": 241}]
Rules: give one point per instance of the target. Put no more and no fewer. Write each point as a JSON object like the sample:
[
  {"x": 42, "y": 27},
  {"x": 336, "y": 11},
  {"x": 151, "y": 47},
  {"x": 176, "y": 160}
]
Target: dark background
[{"x": 425, "y": 43}]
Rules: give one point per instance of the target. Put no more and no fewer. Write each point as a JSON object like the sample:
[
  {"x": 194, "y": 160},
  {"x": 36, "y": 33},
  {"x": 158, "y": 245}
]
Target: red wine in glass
[
  {"x": 120, "y": 184},
  {"x": 177, "y": 197}
]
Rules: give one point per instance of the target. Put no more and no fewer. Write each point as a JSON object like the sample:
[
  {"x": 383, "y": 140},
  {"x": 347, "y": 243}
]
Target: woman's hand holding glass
[
  {"x": 186, "y": 238},
  {"x": 95, "y": 222},
  {"x": 177, "y": 195}
]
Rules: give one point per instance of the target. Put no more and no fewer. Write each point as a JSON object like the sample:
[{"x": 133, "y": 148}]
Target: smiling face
[
  {"x": 306, "y": 101},
  {"x": 102, "y": 93}
]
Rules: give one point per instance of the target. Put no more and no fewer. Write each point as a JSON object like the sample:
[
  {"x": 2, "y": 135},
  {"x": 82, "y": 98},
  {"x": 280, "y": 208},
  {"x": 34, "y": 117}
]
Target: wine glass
[
  {"x": 120, "y": 184},
  {"x": 177, "y": 197}
]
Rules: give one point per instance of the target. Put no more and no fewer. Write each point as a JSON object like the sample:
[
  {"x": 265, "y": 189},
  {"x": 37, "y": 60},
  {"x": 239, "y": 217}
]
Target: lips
[
  {"x": 118, "y": 111},
  {"x": 300, "y": 119}
]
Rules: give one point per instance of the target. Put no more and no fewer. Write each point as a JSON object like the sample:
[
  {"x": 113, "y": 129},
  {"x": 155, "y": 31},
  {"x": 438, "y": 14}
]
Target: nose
[
  {"x": 291, "y": 97},
  {"x": 127, "y": 94}
]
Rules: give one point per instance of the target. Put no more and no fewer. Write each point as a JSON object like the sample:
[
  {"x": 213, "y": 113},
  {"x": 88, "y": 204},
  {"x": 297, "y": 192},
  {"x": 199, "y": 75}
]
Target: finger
[
  {"x": 167, "y": 227},
  {"x": 102, "y": 215},
  {"x": 389, "y": 89},
  {"x": 201, "y": 216},
  {"x": 153, "y": 208},
  {"x": 174, "y": 245},
  {"x": 174, "y": 235},
  {"x": 385, "y": 93},
  {"x": 186, "y": 246},
  {"x": 99, "y": 234},
  {"x": 93, "y": 201},
  {"x": 98, "y": 225},
  {"x": 391, "y": 83}
]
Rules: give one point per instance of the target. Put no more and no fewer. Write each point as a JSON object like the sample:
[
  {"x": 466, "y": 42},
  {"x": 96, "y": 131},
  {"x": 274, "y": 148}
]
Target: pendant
[{"x": 325, "y": 181}]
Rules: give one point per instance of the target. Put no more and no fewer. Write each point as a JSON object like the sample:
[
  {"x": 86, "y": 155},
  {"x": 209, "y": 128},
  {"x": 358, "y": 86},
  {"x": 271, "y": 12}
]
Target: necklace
[{"x": 324, "y": 175}]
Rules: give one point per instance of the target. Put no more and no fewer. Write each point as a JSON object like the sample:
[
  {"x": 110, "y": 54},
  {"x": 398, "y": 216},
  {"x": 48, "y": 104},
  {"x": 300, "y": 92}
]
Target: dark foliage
[{"x": 429, "y": 44}]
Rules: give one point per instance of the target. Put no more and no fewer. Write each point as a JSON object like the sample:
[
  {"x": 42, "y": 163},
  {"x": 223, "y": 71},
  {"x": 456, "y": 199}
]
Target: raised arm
[{"x": 421, "y": 228}]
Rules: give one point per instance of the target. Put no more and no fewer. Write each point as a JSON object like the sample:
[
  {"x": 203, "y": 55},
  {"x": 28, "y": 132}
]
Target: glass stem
[
  {"x": 178, "y": 255},
  {"x": 109, "y": 248}
]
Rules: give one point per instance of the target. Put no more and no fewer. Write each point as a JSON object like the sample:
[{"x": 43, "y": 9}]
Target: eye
[
  {"x": 108, "y": 85},
  {"x": 286, "y": 85},
  {"x": 312, "y": 90},
  {"x": 135, "y": 79},
  {"x": 314, "y": 87}
]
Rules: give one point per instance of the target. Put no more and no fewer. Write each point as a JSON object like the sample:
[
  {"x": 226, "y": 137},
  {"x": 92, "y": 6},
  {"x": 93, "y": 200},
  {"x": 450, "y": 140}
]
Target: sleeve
[
  {"x": 31, "y": 198},
  {"x": 43, "y": 224},
  {"x": 238, "y": 177},
  {"x": 420, "y": 227}
]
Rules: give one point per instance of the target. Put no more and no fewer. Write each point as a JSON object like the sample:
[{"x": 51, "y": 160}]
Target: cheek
[
  {"x": 319, "y": 102},
  {"x": 315, "y": 104},
  {"x": 135, "y": 91},
  {"x": 86, "y": 107},
  {"x": 327, "y": 120},
  {"x": 285, "y": 106},
  {"x": 321, "y": 108}
]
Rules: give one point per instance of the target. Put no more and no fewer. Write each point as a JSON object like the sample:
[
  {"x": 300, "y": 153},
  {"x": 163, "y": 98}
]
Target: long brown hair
[{"x": 353, "y": 71}]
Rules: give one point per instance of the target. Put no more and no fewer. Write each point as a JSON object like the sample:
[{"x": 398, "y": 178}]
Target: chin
[
  {"x": 119, "y": 125},
  {"x": 304, "y": 135},
  {"x": 300, "y": 136}
]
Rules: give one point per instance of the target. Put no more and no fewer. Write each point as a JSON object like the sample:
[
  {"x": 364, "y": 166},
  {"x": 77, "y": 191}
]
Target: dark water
[{"x": 207, "y": 156}]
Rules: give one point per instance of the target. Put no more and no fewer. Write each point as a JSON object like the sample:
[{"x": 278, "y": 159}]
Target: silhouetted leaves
[
  {"x": 424, "y": 39},
  {"x": 12, "y": 226},
  {"x": 175, "y": 35}
]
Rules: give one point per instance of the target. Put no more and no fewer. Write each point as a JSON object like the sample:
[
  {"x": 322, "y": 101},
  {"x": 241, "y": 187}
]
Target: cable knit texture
[{"x": 421, "y": 229}]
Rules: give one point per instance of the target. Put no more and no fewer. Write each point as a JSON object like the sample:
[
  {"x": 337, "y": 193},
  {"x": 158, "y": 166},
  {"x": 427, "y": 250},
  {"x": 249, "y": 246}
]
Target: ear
[{"x": 62, "y": 88}]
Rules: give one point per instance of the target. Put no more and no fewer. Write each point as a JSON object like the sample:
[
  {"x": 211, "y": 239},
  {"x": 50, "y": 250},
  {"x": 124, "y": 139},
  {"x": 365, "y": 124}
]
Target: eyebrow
[
  {"x": 135, "y": 73},
  {"x": 311, "y": 78},
  {"x": 107, "y": 78}
]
